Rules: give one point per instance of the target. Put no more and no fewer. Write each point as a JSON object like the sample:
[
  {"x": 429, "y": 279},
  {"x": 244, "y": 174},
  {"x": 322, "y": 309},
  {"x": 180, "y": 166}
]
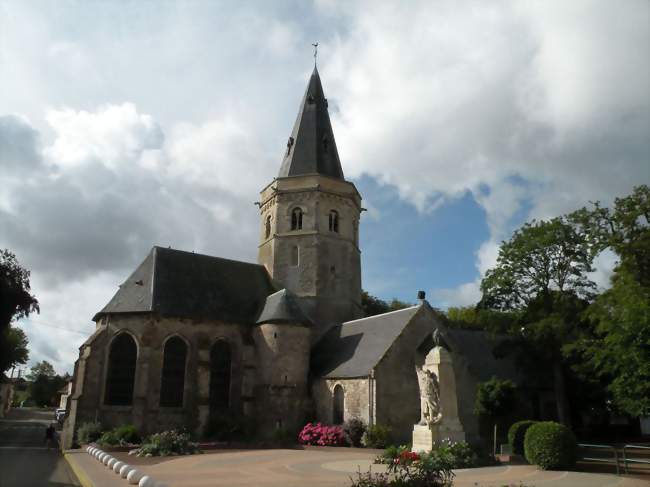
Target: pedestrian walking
[{"x": 50, "y": 433}]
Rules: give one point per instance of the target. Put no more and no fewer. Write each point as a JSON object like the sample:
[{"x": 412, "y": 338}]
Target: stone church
[{"x": 190, "y": 336}]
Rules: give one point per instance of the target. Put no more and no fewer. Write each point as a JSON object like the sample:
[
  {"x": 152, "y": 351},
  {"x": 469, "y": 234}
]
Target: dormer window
[
  {"x": 334, "y": 221},
  {"x": 296, "y": 219},
  {"x": 267, "y": 227}
]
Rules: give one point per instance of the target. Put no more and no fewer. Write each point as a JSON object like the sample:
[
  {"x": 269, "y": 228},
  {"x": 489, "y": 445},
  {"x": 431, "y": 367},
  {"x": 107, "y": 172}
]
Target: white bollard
[
  {"x": 100, "y": 456},
  {"x": 117, "y": 466},
  {"x": 111, "y": 462},
  {"x": 134, "y": 477},
  {"x": 107, "y": 459},
  {"x": 124, "y": 471},
  {"x": 146, "y": 481}
]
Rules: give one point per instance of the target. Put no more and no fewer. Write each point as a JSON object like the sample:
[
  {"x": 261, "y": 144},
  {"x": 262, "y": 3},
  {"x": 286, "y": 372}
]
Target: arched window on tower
[
  {"x": 220, "y": 366},
  {"x": 267, "y": 227},
  {"x": 120, "y": 376},
  {"x": 334, "y": 221},
  {"x": 296, "y": 219},
  {"x": 172, "y": 383},
  {"x": 338, "y": 406}
]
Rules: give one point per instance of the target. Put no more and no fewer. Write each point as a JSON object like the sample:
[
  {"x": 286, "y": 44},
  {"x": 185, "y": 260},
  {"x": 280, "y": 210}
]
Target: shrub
[
  {"x": 460, "y": 455},
  {"x": 392, "y": 453},
  {"x": 228, "y": 426},
  {"x": 354, "y": 429},
  {"x": 322, "y": 435},
  {"x": 411, "y": 469},
  {"x": 123, "y": 435},
  {"x": 516, "y": 435},
  {"x": 550, "y": 446},
  {"x": 89, "y": 432},
  {"x": 377, "y": 436},
  {"x": 167, "y": 443}
]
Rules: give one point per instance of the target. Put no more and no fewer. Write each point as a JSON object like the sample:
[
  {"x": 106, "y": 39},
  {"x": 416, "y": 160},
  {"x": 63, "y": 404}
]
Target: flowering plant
[
  {"x": 407, "y": 457},
  {"x": 322, "y": 435}
]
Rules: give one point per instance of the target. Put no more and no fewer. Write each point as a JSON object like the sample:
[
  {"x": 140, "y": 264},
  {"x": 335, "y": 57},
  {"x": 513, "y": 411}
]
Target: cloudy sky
[{"x": 134, "y": 123}]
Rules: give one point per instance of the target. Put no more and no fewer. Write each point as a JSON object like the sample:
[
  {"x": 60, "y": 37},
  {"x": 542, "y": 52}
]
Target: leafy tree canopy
[
  {"x": 13, "y": 348},
  {"x": 473, "y": 318},
  {"x": 495, "y": 398},
  {"x": 41, "y": 369},
  {"x": 374, "y": 306},
  {"x": 15, "y": 299}
]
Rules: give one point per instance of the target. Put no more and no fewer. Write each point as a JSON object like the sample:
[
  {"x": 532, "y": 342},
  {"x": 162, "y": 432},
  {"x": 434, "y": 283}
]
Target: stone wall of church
[
  {"x": 150, "y": 334},
  {"x": 397, "y": 390},
  {"x": 357, "y": 403}
]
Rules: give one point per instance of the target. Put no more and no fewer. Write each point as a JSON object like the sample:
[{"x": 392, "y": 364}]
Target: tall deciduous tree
[
  {"x": 16, "y": 300},
  {"x": 542, "y": 272},
  {"x": 620, "y": 351},
  {"x": 13, "y": 348}
]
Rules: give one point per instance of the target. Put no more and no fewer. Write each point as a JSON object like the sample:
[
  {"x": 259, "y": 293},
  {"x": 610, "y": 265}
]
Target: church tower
[{"x": 310, "y": 220}]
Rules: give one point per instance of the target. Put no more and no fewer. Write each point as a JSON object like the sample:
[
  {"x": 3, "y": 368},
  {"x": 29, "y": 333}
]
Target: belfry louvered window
[
  {"x": 334, "y": 221},
  {"x": 220, "y": 369},
  {"x": 120, "y": 376},
  {"x": 296, "y": 219},
  {"x": 172, "y": 383}
]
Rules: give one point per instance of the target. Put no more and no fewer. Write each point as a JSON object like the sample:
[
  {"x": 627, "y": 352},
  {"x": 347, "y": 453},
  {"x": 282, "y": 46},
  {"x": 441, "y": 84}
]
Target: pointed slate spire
[{"x": 311, "y": 149}]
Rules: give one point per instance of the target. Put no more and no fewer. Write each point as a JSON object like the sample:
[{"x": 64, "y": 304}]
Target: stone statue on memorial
[{"x": 429, "y": 396}]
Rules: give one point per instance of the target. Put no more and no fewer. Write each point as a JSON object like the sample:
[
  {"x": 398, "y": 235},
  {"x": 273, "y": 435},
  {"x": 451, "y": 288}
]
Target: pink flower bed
[{"x": 322, "y": 435}]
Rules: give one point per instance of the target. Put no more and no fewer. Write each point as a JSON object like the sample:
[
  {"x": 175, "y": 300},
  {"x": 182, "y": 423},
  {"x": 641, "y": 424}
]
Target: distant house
[{"x": 65, "y": 392}]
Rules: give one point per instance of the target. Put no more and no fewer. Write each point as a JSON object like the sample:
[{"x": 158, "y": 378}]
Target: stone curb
[{"x": 78, "y": 471}]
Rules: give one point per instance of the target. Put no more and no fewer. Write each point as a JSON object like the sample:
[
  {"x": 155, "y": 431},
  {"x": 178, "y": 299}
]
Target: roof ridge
[
  {"x": 381, "y": 314},
  {"x": 206, "y": 255}
]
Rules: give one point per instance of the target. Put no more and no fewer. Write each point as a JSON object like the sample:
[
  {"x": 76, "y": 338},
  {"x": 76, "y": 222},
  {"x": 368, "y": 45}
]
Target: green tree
[
  {"x": 542, "y": 273},
  {"x": 13, "y": 348},
  {"x": 15, "y": 299},
  {"x": 619, "y": 353},
  {"x": 473, "y": 318},
  {"x": 16, "y": 302},
  {"x": 495, "y": 399},
  {"x": 44, "y": 383},
  {"x": 374, "y": 306}
]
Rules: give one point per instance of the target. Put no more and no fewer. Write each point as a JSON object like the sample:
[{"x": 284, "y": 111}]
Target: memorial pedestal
[{"x": 426, "y": 438}]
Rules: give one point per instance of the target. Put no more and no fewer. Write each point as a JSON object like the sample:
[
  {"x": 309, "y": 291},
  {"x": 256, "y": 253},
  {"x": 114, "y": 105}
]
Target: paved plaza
[{"x": 316, "y": 467}]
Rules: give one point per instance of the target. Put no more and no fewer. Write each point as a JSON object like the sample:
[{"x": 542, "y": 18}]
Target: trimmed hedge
[
  {"x": 517, "y": 433},
  {"x": 550, "y": 446}
]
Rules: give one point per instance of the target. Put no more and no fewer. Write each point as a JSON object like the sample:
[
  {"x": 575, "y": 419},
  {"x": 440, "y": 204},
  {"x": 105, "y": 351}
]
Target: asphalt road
[{"x": 25, "y": 460}]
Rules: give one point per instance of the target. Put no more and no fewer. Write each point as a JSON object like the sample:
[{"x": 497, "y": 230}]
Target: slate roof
[
  {"x": 282, "y": 307},
  {"x": 311, "y": 149},
  {"x": 355, "y": 347},
  {"x": 187, "y": 285}
]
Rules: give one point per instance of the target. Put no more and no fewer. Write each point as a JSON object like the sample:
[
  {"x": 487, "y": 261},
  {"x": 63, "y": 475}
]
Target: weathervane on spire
[{"x": 315, "y": 44}]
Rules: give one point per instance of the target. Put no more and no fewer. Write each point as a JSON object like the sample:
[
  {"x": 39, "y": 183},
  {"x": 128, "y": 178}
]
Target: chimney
[{"x": 422, "y": 295}]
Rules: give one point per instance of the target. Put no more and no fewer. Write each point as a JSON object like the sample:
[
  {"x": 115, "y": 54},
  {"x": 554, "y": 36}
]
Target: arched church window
[
  {"x": 267, "y": 227},
  {"x": 296, "y": 219},
  {"x": 295, "y": 255},
  {"x": 172, "y": 383},
  {"x": 220, "y": 366},
  {"x": 338, "y": 405},
  {"x": 334, "y": 221},
  {"x": 120, "y": 376}
]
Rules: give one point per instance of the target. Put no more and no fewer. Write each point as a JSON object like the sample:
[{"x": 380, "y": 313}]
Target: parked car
[{"x": 59, "y": 415}]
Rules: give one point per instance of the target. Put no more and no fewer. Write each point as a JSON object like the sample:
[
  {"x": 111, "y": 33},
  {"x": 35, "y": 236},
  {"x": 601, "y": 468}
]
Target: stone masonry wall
[{"x": 357, "y": 399}]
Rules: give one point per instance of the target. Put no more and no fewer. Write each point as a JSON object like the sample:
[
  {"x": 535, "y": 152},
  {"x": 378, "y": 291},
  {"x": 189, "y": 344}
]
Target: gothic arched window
[
  {"x": 267, "y": 227},
  {"x": 172, "y": 384},
  {"x": 220, "y": 366},
  {"x": 296, "y": 219},
  {"x": 338, "y": 405},
  {"x": 334, "y": 221},
  {"x": 120, "y": 376}
]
